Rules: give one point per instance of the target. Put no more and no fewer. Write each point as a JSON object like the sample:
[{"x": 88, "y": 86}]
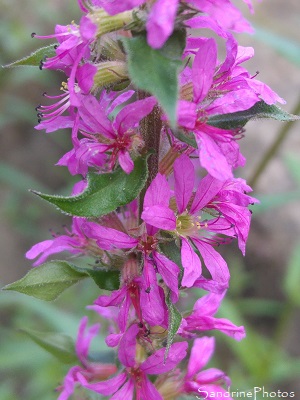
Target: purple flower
[
  {"x": 218, "y": 89},
  {"x": 206, "y": 384},
  {"x": 74, "y": 46},
  {"x": 146, "y": 243},
  {"x": 184, "y": 221},
  {"x": 90, "y": 370},
  {"x": 135, "y": 375},
  {"x": 105, "y": 140},
  {"x": 202, "y": 318},
  {"x": 75, "y": 242}
]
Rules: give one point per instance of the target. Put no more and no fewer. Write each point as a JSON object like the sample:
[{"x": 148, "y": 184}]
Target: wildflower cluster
[{"x": 156, "y": 115}]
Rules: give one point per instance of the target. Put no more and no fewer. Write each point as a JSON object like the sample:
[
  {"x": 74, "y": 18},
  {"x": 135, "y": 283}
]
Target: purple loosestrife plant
[{"x": 155, "y": 118}]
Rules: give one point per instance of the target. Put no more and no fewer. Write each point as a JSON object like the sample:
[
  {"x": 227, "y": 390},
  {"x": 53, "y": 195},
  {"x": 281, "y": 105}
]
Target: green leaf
[
  {"x": 104, "y": 279},
  {"x": 47, "y": 281},
  {"x": 104, "y": 193},
  {"x": 291, "y": 282},
  {"x": 173, "y": 323},
  {"x": 59, "y": 345},
  {"x": 155, "y": 71},
  {"x": 258, "y": 111},
  {"x": 35, "y": 58}
]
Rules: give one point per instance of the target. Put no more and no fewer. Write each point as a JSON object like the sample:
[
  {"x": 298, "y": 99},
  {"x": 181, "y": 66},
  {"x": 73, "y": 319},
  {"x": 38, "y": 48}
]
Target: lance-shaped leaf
[
  {"x": 155, "y": 71},
  {"x": 104, "y": 192},
  {"x": 258, "y": 111},
  {"x": 50, "y": 279},
  {"x": 35, "y": 58},
  {"x": 59, "y": 345},
  {"x": 173, "y": 323},
  {"x": 47, "y": 281}
]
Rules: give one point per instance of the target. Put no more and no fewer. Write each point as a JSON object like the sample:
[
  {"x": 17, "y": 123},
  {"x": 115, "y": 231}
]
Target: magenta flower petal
[
  {"x": 69, "y": 383},
  {"x": 84, "y": 339},
  {"x": 201, "y": 353},
  {"x": 132, "y": 114},
  {"x": 151, "y": 299},
  {"x": 212, "y": 158},
  {"x": 107, "y": 387},
  {"x": 236, "y": 100},
  {"x": 208, "y": 304},
  {"x": 186, "y": 114},
  {"x": 109, "y": 238},
  {"x": 160, "y": 217},
  {"x": 126, "y": 392},
  {"x": 38, "y": 248},
  {"x": 158, "y": 193},
  {"x": 206, "y": 191},
  {"x": 169, "y": 272},
  {"x": 214, "y": 262},
  {"x": 224, "y": 13},
  {"x": 148, "y": 391},
  {"x": 212, "y": 375},
  {"x": 126, "y": 162},
  {"x": 191, "y": 264},
  {"x": 155, "y": 364},
  {"x": 184, "y": 174},
  {"x": 85, "y": 77},
  {"x": 113, "y": 7},
  {"x": 223, "y": 325},
  {"x": 204, "y": 69},
  {"x": 160, "y": 22},
  {"x": 206, "y": 22},
  {"x": 127, "y": 346}
]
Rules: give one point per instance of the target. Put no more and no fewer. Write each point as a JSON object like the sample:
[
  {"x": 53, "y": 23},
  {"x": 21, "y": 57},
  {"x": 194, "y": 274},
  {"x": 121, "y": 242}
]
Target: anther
[
  {"x": 140, "y": 325},
  {"x": 44, "y": 94},
  {"x": 33, "y": 34},
  {"x": 55, "y": 46},
  {"x": 37, "y": 107},
  {"x": 148, "y": 290}
]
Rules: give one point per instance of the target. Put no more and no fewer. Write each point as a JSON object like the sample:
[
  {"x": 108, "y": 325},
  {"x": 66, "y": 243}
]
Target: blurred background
[{"x": 265, "y": 286}]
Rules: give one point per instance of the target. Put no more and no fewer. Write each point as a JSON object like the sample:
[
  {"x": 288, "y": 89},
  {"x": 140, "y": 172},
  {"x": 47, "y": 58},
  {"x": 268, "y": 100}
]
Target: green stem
[
  {"x": 270, "y": 153},
  {"x": 150, "y": 128}
]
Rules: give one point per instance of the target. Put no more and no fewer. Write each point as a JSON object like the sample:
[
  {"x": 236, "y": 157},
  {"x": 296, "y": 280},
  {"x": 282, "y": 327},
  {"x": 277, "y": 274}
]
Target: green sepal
[
  {"x": 104, "y": 192},
  {"x": 50, "y": 279},
  {"x": 188, "y": 137},
  {"x": 258, "y": 111},
  {"x": 35, "y": 58},
  {"x": 59, "y": 345},
  {"x": 156, "y": 71},
  {"x": 174, "y": 322}
]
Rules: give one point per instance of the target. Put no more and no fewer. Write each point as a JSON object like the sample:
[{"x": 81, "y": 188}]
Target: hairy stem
[{"x": 150, "y": 128}]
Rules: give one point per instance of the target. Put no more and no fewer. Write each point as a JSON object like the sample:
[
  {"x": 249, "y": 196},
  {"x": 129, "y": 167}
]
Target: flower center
[{"x": 186, "y": 224}]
